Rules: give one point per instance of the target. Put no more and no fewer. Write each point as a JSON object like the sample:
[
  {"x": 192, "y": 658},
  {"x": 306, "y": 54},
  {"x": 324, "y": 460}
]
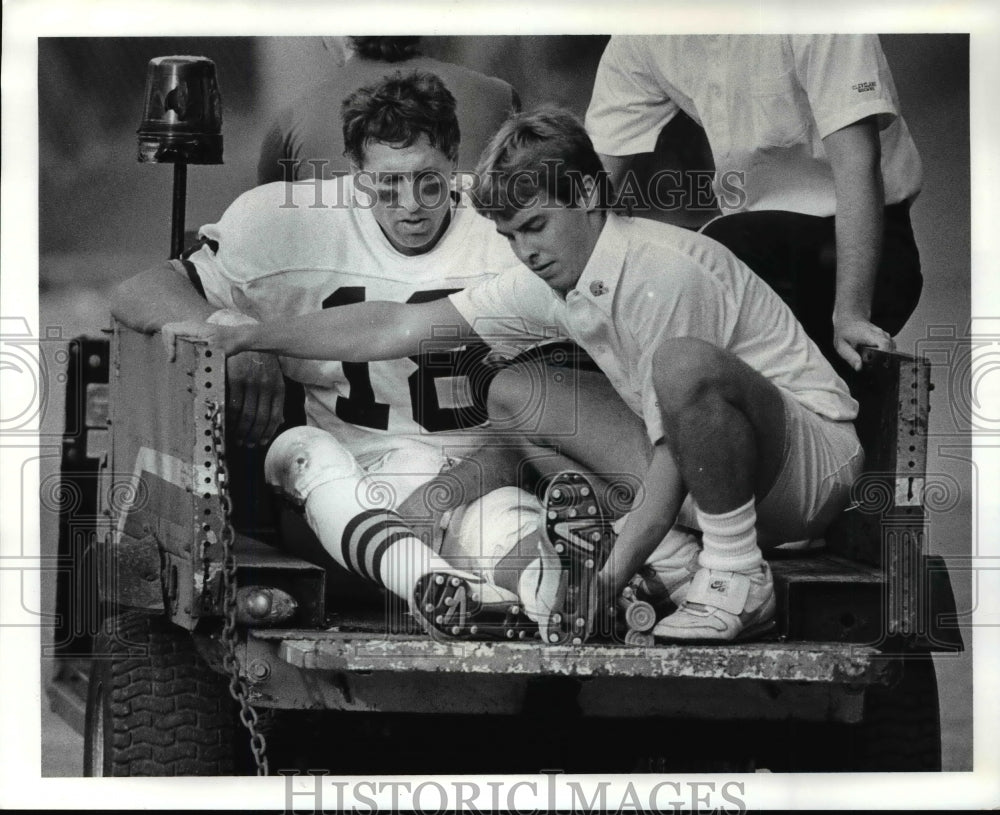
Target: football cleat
[
  {"x": 639, "y": 639},
  {"x": 453, "y": 604},
  {"x": 640, "y": 615},
  {"x": 580, "y": 536}
]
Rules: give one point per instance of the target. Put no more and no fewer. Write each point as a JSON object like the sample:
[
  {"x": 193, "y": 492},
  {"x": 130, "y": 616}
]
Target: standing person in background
[
  {"x": 815, "y": 167},
  {"x": 306, "y": 135}
]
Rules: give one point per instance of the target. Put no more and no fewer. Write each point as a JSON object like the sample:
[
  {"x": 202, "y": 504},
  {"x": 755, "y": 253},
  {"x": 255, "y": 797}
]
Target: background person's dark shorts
[{"x": 796, "y": 255}]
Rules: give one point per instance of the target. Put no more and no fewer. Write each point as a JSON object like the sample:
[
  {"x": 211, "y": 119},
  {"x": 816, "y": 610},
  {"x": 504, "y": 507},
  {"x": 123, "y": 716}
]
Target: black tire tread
[
  {"x": 902, "y": 725},
  {"x": 171, "y": 714}
]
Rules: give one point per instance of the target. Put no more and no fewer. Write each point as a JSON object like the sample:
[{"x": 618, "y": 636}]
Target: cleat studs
[
  {"x": 475, "y": 597},
  {"x": 553, "y": 637},
  {"x": 589, "y": 563},
  {"x": 585, "y": 491},
  {"x": 510, "y": 634},
  {"x": 522, "y": 635},
  {"x": 456, "y": 630},
  {"x": 573, "y": 513},
  {"x": 552, "y": 514},
  {"x": 559, "y": 548},
  {"x": 556, "y": 619},
  {"x": 456, "y": 582},
  {"x": 595, "y": 537},
  {"x": 628, "y": 593},
  {"x": 449, "y": 601},
  {"x": 514, "y": 610},
  {"x": 429, "y": 608},
  {"x": 473, "y": 629},
  {"x": 557, "y": 494},
  {"x": 439, "y": 579},
  {"x": 580, "y": 622},
  {"x": 577, "y": 641},
  {"x": 439, "y": 619},
  {"x": 591, "y": 510}
]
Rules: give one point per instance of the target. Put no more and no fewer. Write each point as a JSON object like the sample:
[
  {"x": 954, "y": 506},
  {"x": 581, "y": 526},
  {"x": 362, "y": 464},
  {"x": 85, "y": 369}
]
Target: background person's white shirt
[{"x": 766, "y": 103}]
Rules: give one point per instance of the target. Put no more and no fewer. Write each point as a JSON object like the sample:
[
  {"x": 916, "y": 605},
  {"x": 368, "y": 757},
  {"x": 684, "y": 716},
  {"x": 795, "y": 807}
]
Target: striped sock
[
  {"x": 379, "y": 546},
  {"x": 375, "y": 544}
]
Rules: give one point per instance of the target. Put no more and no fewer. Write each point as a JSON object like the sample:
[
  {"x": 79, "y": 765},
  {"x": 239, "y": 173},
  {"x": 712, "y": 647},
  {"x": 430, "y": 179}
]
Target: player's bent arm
[
  {"x": 363, "y": 332},
  {"x": 157, "y": 296},
  {"x": 855, "y": 159}
]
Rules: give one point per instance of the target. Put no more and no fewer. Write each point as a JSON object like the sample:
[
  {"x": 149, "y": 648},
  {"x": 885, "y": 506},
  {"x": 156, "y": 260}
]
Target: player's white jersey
[{"x": 284, "y": 250}]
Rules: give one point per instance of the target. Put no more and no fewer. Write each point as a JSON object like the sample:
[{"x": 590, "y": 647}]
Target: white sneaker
[{"x": 723, "y": 606}]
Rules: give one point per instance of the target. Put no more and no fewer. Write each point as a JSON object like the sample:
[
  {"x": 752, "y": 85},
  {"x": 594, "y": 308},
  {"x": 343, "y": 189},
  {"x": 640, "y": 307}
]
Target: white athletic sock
[
  {"x": 729, "y": 539},
  {"x": 405, "y": 562}
]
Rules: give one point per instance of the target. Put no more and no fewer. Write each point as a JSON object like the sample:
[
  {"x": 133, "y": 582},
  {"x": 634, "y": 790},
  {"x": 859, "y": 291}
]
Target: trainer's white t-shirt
[
  {"x": 766, "y": 103},
  {"x": 647, "y": 282},
  {"x": 275, "y": 254}
]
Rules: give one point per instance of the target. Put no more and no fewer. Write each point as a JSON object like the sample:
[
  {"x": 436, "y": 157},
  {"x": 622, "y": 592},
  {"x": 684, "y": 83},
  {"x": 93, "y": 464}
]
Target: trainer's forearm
[
  {"x": 364, "y": 332},
  {"x": 649, "y": 521}
]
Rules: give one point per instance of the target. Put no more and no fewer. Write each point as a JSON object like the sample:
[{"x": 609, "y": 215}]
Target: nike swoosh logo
[{"x": 564, "y": 530}]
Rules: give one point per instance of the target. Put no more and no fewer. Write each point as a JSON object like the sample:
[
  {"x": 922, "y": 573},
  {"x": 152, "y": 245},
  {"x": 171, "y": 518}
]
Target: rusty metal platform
[
  {"x": 401, "y": 673},
  {"x": 771, "y": 661}
]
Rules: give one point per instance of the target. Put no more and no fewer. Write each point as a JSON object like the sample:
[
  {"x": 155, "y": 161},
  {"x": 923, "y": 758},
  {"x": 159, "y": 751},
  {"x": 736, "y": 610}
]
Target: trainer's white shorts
[{"x": 821, "y": 461}]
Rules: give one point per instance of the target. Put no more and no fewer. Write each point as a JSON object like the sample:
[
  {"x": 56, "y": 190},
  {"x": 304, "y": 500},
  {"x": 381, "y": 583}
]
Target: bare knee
[
  {"x": 689, "y": 375},
  {"x": 515, "y": 399}
]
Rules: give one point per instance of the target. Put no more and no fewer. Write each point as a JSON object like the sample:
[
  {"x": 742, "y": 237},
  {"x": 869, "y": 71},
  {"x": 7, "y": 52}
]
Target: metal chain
[{"x": 237, "y": 682}]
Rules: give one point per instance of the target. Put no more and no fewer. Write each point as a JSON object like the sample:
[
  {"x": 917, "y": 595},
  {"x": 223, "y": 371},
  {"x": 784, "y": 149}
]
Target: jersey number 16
[{"x": 361, "y": 407}]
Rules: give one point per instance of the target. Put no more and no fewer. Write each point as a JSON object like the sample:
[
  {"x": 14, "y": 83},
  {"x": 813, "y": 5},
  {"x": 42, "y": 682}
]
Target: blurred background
[{"x": 103, "y": 217}]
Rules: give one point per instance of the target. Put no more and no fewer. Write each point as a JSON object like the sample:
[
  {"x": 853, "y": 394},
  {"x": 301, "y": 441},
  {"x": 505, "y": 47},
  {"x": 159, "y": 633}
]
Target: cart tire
[
  {"x": 902, "y": 724},
  {"x": 154, "y": 708}
]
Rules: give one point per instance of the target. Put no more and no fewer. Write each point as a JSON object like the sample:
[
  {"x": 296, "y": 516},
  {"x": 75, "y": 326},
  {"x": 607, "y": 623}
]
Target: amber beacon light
[{"x": 181, "y": 125}]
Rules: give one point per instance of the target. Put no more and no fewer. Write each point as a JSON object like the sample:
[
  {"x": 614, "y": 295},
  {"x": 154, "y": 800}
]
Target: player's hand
[
  {"x": 852, "y": 332},
  {"x": 255, "y": 387},
  {"x": 255, "y": 396},
  {"x": 230, "y": 339}
]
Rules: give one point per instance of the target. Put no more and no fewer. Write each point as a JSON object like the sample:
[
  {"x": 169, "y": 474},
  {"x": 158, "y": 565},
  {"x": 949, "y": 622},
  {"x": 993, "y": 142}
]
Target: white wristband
[{"x": 228, "y": 316}]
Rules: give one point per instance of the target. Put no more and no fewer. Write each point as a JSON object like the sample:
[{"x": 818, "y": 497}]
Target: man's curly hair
[{"x": 397, "y": 111}]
